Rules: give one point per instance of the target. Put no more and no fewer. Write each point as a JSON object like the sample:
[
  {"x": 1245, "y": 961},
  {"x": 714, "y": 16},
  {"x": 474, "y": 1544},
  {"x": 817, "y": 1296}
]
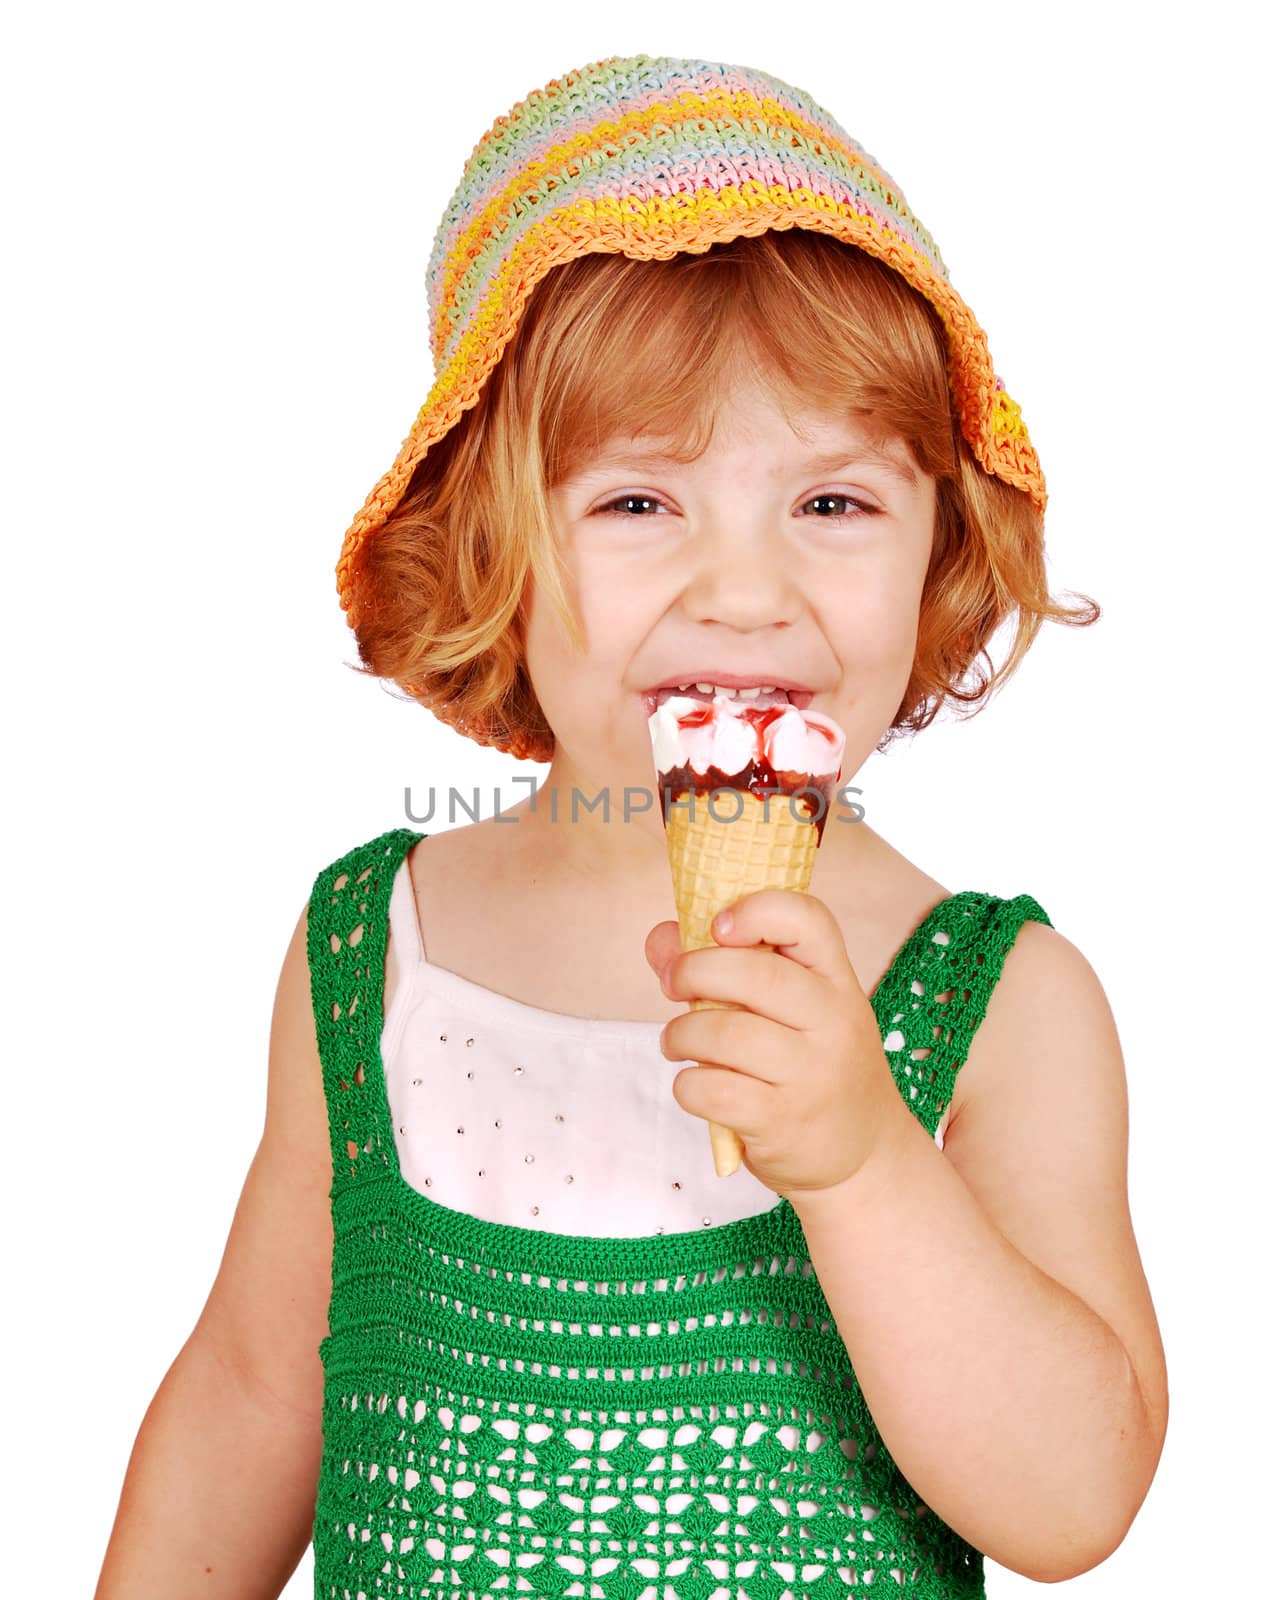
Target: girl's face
[{"x": 786, "y": 561}]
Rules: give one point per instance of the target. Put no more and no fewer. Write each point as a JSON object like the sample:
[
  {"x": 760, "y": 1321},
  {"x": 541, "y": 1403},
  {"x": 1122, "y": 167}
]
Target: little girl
[{"x": 708, "y": 414}]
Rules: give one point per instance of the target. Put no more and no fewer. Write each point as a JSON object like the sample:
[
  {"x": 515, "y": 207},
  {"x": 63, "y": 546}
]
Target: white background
[{"x": 215, "y": 338}]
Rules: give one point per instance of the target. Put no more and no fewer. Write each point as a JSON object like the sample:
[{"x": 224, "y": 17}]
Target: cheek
[
  {"x": 572, "y": 678},
  {"x": 615, "y": 609},
  {"x": 875, "y": 623},
  {"x": 605, "y": 596},
  {"x": 546, "y": 633}
]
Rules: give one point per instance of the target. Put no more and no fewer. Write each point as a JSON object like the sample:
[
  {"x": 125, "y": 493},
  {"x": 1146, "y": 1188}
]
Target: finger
[
  {"x": 730, "y": 1098},
  {"x": 741, "y": 1041},
  {"x": 798, "y": 924},
  {"x": 758, "y": 979},
  {"x": 661, "y": 945}
]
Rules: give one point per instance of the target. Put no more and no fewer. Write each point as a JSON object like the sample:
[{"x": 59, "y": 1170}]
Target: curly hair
[{"x": 611, "y": 346}]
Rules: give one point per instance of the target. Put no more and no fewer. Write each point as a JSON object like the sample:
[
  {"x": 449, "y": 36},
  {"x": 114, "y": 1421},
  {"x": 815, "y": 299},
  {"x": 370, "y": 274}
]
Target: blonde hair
[{"x": 609, "y": 346}]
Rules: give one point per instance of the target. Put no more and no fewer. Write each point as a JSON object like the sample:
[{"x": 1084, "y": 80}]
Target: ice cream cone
[
  {"x": 745, "y": 790},
  {"x": 748, "y": 843}
]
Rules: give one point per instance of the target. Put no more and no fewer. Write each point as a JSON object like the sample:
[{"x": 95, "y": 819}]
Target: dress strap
[
  {"x": 405, "y": 921},
  {"x": 934, "y": 997},
  {"x": 347, "y": 922}
]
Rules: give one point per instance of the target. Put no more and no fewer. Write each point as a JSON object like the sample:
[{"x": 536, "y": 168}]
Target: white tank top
[{"x": 518, "y": 1115}]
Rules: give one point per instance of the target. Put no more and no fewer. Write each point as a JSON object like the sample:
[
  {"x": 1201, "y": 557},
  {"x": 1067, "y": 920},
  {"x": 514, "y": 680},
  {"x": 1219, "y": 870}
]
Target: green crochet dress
[{"x": 670, "y": 1416}]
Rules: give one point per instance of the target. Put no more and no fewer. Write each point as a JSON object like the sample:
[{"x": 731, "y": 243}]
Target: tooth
[{"x": 706, "y": 688}]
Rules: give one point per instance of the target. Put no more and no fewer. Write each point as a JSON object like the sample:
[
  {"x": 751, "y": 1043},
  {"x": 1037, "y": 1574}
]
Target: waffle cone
[{"x": 714, "y": 862}]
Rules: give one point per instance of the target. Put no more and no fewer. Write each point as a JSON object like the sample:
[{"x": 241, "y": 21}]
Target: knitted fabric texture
[
  {"x": 513, "y": 1411},
  {"x": 649, "y": 156}
]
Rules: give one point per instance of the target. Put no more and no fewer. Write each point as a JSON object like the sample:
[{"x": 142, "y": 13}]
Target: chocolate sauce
[{"x": 814, "y": 794}]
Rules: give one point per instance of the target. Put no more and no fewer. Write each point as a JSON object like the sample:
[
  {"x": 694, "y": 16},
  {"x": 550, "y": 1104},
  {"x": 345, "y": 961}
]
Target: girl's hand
[{"x": 802, "y": 1075}]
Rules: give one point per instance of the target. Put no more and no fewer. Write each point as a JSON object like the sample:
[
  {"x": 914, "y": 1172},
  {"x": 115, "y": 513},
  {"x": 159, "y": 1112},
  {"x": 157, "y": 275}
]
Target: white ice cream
[{"x": 728, "y": 738}]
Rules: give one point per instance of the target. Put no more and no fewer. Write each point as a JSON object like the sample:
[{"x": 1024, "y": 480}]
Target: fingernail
[{"x": 723, "y": 922}]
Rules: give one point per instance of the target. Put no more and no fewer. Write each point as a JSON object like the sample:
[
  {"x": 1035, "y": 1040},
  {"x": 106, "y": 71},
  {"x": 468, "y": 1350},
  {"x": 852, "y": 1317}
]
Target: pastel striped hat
[{"x": 649, "y": 156}]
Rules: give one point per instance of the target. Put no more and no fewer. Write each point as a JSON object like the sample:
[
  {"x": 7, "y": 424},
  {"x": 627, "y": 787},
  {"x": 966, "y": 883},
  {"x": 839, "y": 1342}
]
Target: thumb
[{"x": 662, "y": 945}]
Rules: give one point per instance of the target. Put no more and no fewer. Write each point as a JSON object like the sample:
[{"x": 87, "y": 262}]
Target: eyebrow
[
  {"x": 836, "y": 460},
  {"x": 869, "y": 456}
]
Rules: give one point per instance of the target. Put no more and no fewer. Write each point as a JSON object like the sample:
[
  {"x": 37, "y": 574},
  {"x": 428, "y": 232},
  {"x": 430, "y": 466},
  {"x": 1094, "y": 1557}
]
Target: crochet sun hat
[{"x": 649, "y": 156}]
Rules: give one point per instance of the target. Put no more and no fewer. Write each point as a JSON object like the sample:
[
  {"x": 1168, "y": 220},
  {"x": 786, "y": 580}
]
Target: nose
[{"x": 741, "y": 575}]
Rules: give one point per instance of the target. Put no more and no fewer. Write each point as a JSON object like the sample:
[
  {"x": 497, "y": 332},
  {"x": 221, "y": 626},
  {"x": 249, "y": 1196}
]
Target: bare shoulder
[
  {"x": 465, "y": 860},
  {"x": 1046, "y": 986},
  {"x": 1043, "y": 1114},
  {"x": 460, "y": 858},
  {"x": 879, "y": 898}
]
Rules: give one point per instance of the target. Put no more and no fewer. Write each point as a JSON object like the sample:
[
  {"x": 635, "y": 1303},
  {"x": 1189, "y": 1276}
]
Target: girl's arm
[
  {"x": 219, "y": 1494},
  {"x": 991, "y": 1294}
]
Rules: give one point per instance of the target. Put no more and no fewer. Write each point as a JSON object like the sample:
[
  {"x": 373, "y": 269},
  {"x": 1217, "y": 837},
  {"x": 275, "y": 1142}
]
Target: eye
[
  {"x": 860, "y": 510},
  {"x": 610, "y": 506}
]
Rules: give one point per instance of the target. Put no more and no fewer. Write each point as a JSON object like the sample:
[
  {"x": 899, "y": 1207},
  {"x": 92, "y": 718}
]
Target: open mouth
[{"x": 758, "y": 696}]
